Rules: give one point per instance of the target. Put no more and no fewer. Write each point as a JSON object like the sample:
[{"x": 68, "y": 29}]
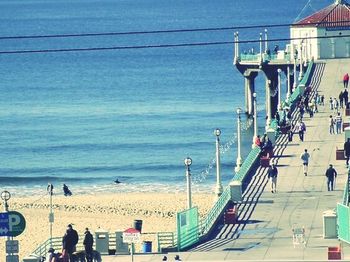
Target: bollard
[
  {"x": 102, "y": 241},
  {"x": 236, "y": 191}
]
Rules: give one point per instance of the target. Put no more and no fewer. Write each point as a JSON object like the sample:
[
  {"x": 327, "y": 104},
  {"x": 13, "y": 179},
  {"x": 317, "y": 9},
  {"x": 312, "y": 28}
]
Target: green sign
[{"x": 17, "y": 223}]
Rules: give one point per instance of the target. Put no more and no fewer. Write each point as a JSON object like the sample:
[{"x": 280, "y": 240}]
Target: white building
[{"x": 324, "y": 34}]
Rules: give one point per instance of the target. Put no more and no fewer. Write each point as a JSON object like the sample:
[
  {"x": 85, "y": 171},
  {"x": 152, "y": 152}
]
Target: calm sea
[{"x": 87, "y": 118}]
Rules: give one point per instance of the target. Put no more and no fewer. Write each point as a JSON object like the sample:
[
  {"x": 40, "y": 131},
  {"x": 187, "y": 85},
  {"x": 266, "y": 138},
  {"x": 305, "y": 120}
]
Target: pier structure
[{"x": 272, "y": 66}]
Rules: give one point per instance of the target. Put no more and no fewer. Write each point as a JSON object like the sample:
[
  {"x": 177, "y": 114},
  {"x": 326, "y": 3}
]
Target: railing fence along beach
[{"x": 190, "y": 229}]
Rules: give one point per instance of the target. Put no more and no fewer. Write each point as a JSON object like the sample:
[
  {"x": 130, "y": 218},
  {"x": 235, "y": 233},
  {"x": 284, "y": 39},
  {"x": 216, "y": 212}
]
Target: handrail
[{"x": 247, "y": 164}]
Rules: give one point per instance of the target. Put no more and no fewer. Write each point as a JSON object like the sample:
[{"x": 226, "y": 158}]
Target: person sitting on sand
[{"x": 66, "y": 190}]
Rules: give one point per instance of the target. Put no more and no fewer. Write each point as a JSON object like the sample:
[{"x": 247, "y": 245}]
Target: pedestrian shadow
[{"x": 285, "y": 156}]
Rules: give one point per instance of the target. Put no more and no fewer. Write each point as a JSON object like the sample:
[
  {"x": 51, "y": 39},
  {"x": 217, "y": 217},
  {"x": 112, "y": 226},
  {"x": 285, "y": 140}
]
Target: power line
[
  {"x": 166, "y": 31},
  {"x": 160, "y": 46}
]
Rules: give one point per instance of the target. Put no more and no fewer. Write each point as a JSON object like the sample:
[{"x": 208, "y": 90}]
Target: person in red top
[{"x": 346, "y": 80}]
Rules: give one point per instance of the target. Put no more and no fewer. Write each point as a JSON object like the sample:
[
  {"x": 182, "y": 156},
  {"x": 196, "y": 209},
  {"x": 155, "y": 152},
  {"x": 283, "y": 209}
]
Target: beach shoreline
[{"x": 110, "y": 211}]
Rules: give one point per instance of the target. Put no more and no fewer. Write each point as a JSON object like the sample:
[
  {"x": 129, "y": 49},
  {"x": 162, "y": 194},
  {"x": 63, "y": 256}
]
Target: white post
[
  {"x": 218, "y": 189},
  {"x": 239, "y": 158},
  {"x": 295, "y": 73},
  {"x": 288, "y": 81},
  {"x": 279, "y": 88},
  {"x": 235, "y": 40},
  {"x": 188, "y": 162},
  {"x": 51, "y": 216},
  {"x": 5, "y": 196},
  {"x": 266, "y": 45},
  {"x": 132, "y": 252},
  {"x": 237, "y": 44},
  {"x": 268, "y": 103},
  {"x": 255, "y": 119},
  {"x": 301, "y": 61},
  {"x": 260, "y": 41}
]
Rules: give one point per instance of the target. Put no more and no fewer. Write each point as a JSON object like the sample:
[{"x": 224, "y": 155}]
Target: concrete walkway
[{"x": 266, "y": 219}]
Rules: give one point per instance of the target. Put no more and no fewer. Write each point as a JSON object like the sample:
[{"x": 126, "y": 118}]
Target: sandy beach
[{"x": 112, "y": 212}]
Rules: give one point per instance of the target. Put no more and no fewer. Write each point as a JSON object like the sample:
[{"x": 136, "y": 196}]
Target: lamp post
[
  {"x": 218, "y": 188},
  {"x": 288, "y": 81},
  {"x": 188, "y": 162},
  {"x": 5, "y": 196},
  {"x": 295, "y": 73},
  {"x": 51, "y": 215},
  {"x": 266, "y": 45},
  {"x": 279, "y": 89},
  {"x": 301, "y": 61},
  {"x": 255, "y": 119},
  {"x": 239, "y": 158},
  {"x": 260, "y": 41}
]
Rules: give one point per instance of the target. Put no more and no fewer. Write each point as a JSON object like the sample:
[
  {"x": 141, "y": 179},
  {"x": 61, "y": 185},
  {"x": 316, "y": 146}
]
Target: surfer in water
[{"x": 117, "y": 181}]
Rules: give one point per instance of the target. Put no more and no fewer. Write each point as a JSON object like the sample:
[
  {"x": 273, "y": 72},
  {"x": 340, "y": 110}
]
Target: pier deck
[{"x": 266, "y": 219}]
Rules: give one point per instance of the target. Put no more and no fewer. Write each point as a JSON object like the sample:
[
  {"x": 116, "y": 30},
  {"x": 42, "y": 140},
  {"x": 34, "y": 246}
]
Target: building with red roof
[{"x": 324, "y": 34}]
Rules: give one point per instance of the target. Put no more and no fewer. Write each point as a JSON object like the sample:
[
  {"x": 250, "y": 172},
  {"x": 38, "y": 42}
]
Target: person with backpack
[{"x": 305, "y": 160}]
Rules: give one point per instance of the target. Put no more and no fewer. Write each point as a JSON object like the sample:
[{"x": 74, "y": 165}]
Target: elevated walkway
[{"x": 266, "y": 220}]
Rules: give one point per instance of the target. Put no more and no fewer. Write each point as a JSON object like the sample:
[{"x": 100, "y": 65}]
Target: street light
[
  {"x": 218, "y": 189},
  {"x": 51, "y": 214},
  {"x": 295, "y": 73},
  {"x": 188, "y": 162},
  {"x": 279, "y": 88},
  {"x": 301, "y": 61},
  {"x": 5, "y": 196},
  {"x": 239, "y": 158},
  {"x": 260, "y": 41},
  {"x": 266, "y": 46},
  {"x": 255, "y": 119}
]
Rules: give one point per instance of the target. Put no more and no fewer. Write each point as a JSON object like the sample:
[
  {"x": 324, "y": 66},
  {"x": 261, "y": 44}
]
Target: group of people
[
  {"x": 335, "y": 124},
  {"x": 66, "y": 190},
  {"x": 69, "y": 242},
  {"x": 330, "y": 173}
]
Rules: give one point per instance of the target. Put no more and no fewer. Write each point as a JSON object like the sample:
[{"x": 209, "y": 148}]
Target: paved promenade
[{"x": 266, "y": 219}]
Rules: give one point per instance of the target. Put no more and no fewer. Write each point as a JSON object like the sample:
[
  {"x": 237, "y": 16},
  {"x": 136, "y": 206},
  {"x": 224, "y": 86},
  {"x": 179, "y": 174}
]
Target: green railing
[
  {"x": 215, "y": 212},
  {"x": 247, "y": 164},
  {"x": 249, "y": 57},
  {"x": 187, "y": 228},
  {"x": 346, "y": 194},
  {"x": 264, "y": 57},
  {"x": 343, "y": 222}
]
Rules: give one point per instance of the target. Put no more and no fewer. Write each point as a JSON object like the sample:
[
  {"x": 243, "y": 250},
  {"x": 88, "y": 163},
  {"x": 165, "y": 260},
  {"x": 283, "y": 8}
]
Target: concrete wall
[{"x": 321, "y": 48}]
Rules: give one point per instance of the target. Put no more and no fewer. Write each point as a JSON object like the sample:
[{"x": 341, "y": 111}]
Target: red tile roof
[{"x": 334, "y": 15}]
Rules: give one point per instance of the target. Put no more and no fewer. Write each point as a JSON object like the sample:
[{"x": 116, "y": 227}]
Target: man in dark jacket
[
  {"x": 272, "y": 174},
  {"x": 88, "y": 243},
  {"x": 331, "y": 174},
  {"x": 347, "y": 151},
  {"x": 70, "y": 239}
]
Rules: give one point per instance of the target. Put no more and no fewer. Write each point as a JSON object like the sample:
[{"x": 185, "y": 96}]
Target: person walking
[
  {"x": 346, "y": 80},
  {"x": 88, "y": 243},
  {"x": 301, "y": 129},
  {"x": 69, "y": 241},
  {"x": 335, "y": 105},
  {"x": 331, "y": 103},
  {"x": 331, "y": 175},
  {"x": 331, "y": 125},
  {"x": 346, "y": 97},
  {"x": 272, "y": 175},
  {"x": 338, "y": 122},
  {"x": 347, "y": 151},
  {"x": 341, "y": 99},
  {"x": 305, "y": 160}
]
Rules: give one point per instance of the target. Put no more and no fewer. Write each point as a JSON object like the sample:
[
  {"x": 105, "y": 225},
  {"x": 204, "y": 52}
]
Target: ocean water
[{"x": 87, "y": 118}]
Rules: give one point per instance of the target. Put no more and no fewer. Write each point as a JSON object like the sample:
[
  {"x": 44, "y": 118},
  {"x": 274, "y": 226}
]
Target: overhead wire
[
  {"x": 166, "y": 31},
  {"x": 3, "y": 52}
]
